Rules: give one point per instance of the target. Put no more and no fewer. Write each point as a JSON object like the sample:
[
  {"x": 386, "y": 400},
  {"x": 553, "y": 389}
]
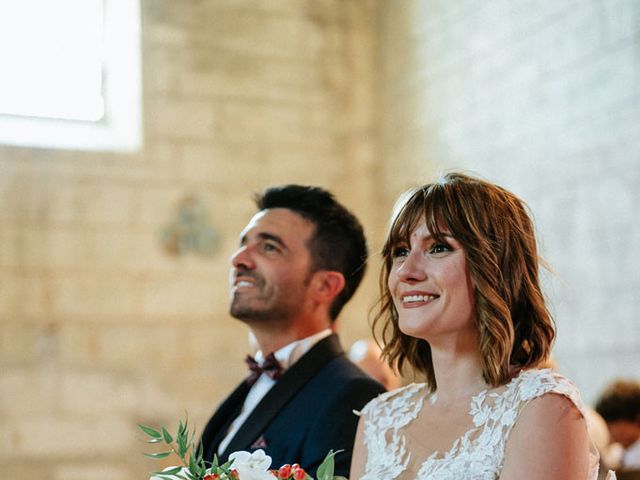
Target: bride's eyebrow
[{"x": 440, "y": 236}]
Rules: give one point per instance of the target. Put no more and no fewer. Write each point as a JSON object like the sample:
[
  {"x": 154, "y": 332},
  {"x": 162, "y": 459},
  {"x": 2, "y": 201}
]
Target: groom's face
[{"x": 271, "y": 268}]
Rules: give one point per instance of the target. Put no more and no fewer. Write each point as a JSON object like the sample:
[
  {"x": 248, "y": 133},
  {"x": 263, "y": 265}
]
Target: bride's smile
[{"x": 431, "y": 286}]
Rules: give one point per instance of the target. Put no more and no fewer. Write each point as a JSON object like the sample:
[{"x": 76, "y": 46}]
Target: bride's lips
[{"x": 416, "y": 298}]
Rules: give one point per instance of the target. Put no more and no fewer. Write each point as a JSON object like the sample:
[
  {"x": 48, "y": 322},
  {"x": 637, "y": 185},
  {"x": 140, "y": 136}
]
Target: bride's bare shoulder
[{"x": 548, "y": 441}]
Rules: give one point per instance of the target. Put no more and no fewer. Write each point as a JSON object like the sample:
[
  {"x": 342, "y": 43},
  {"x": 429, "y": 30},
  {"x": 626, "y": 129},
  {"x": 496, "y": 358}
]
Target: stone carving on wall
[{"x": 190, "y": 231}]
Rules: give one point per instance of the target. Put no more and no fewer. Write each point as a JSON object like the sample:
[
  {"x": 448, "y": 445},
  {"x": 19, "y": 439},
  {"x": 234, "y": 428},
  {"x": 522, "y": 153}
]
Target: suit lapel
[
  {"x": 219, "y": 424},
  {"x": 291, "y": 382}
]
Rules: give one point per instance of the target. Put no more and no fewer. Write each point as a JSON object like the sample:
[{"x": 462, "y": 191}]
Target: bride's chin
[{"x": 409, "y": 330}]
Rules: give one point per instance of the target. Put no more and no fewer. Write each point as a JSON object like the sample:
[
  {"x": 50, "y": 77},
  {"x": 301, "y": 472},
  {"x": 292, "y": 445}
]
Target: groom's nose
[{"x": 242, "y": 258}]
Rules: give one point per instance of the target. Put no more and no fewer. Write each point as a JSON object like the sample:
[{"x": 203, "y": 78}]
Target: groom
[{"x": 301, "y": 258}]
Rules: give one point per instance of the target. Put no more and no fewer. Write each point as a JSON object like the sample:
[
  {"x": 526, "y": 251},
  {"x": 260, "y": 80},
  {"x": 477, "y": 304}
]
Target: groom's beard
[{"x": 264, "y": 301}]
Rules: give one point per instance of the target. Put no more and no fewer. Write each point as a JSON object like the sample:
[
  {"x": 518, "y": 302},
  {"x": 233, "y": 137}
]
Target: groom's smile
[{"x": 271, "y": 266}]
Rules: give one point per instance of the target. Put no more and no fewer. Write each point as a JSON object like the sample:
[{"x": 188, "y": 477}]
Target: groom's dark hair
[{"x": 337, "y": 243}]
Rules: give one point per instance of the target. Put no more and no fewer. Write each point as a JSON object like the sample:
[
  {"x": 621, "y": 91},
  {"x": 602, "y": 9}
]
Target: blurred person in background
[
  {"x": 367, "y": 355},
  {"x": 619, "y": 405}
]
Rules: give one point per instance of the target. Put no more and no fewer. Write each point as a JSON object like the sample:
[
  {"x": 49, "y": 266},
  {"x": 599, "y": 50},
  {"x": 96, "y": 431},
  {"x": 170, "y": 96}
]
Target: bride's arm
[
  {"x": 548, "y": 442},
  {"x": 359, "y": 459}
]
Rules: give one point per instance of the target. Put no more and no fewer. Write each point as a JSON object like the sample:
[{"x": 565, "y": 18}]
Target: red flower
[
  {"x": 234, "y": 474},
  {"x": 284, "y": 471},
  {"x": 213, "y": 476},
  {"x": 299, "y": 474}
]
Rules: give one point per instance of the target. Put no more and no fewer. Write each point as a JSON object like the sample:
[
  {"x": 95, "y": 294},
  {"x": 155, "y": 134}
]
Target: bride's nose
[{"x": 412, "y": 268}]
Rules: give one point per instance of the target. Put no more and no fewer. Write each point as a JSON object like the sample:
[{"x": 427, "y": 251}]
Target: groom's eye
[{"x": 269, "y": 247}]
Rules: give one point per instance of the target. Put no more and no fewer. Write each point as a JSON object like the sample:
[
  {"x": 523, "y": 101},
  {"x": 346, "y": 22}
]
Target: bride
[{"x": 461, "y": 303}]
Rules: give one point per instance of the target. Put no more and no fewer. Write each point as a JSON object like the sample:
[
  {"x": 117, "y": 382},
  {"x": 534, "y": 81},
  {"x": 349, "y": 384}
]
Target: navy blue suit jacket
[{"x": 308, "y": 412}]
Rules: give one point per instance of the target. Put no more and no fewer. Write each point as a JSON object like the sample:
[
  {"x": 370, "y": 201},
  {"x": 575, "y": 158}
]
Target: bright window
[{"x": 70, "y": 74}]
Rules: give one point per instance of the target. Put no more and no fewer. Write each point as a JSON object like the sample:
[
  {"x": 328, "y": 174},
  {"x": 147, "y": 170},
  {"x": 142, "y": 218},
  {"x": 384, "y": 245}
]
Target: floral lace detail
[
  {"x": 479, "y": 453},
  {"x": 387, "y": 451}
]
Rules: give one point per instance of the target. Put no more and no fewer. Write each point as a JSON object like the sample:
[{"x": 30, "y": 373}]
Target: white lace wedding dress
[{"x": 476, "y": 455}]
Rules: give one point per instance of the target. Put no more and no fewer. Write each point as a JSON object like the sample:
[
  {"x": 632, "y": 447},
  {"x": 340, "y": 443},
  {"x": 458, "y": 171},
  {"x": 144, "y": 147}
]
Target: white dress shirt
[
  {"x": 287, "y": 356},
  {"x": 631, "y": 456}
]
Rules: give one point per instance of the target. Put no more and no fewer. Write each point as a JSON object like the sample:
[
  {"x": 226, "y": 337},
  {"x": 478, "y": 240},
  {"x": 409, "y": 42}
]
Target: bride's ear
[{"x": 327, "y": 285}]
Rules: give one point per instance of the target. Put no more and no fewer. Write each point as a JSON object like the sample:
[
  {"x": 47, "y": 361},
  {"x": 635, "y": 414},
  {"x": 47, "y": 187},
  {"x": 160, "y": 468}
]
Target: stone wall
[
  {"x": 544, "y": 98},
  {"x": 100, "y": 326}
]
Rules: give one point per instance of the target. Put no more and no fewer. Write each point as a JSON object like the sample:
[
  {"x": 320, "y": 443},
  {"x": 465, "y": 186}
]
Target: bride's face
[{"x": 431, "y": 286}]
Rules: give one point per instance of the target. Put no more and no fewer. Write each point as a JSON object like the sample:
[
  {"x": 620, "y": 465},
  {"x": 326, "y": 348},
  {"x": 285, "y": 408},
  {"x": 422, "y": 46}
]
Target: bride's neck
[{"x": 458, "y": 375}]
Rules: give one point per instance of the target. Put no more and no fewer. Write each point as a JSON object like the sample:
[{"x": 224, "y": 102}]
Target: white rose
[{"x": 252, "y": 466}]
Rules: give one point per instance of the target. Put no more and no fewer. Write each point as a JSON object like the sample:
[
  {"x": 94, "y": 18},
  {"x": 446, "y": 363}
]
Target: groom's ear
[{"x": 327, "y": 285}]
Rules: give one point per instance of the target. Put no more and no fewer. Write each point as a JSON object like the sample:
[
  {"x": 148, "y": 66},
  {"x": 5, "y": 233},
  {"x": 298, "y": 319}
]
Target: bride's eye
[
  {"x": 399, "y": 251},
  {"x": 439, "y": 248}
]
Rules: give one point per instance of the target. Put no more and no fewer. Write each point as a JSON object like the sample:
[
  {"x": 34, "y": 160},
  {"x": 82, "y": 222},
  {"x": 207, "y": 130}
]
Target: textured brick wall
[
  {"x": 544, "y": 98},
  {"x": 99, "y": 327}
]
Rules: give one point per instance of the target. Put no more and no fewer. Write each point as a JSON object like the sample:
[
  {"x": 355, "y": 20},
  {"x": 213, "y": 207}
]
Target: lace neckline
[
  {"x": 474, "y": 408},
  {"x": 477, "y": 454}
]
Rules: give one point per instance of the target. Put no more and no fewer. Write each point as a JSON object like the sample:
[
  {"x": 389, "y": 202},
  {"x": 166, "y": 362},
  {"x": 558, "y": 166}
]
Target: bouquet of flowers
[{"x": 241, "y": 465}]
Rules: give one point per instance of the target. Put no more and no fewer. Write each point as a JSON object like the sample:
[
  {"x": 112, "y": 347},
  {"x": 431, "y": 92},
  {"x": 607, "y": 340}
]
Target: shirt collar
[{"x": 291, "y": 353}]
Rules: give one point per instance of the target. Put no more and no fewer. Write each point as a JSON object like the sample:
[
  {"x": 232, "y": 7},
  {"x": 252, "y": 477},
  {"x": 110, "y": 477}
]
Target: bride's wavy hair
[{"x": 497, "y": 235}]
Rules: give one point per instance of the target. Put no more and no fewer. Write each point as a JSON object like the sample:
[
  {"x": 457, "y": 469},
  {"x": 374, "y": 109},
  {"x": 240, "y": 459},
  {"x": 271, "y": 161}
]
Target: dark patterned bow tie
[{"x": 270, "y": 366}]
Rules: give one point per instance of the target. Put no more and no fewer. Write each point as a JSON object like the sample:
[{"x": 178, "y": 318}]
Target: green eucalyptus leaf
[
  {"x": 192, "y": 464},
  {"x": 150, "y": 431},
  {"x": 158, "y": 455},
  {"x": 169, "y": 471},
  {"x": 183, "y": 427},
  {"x": 167, "y": 436},
  {"x": 199, "y": 453},
  {"x": 154, "y": 440},
  {"x": 182, "y": 449}
]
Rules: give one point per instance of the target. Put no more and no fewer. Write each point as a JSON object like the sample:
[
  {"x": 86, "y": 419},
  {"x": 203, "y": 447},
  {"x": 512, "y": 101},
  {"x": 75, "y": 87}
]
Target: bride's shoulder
[
  {"x": 397, "y": 399},
  {"x": 534, "y": 383}
]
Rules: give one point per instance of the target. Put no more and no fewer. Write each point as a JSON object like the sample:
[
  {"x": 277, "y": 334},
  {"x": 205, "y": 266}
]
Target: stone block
[
  {"x": 227, "y": 170},
  {"x": 22, "y": 296},
  {"x": 105, "y": 203},
  {"x": 181, "y": 119},
  {"x": 40, "y": 437},
  {"x": 158, "y": 204},
  {"x": 146, "y": 253},
  {"x": 29, "y": 391},
  {"x": 258, "y": 34},
  {"x": 91, "y": 471},
  {"x": 92, "y": 296},
  {"x": 175, "y": 296}
]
